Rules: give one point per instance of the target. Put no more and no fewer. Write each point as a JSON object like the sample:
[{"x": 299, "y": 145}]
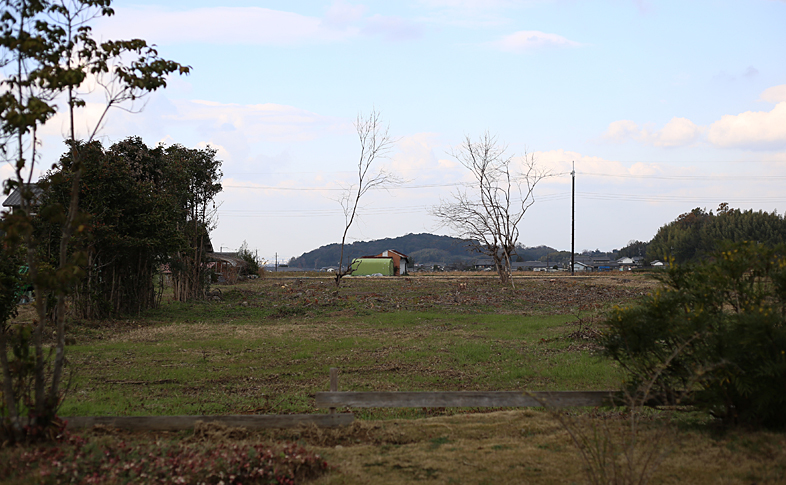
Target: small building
[
  {"x": 400, "y": 261},
  {"x": 530, "y": 266},
  {"x": 226, "y": 266},
  {"x": 14, "y": 199},
  {"x": 579, "y": 266},
  {"x": 372, "y": 266}
]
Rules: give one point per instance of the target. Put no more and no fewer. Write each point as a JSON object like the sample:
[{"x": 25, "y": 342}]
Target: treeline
[
  {"x": 696, "y": 234},
  {"x": 419, "y": 247},
  {"x": 141, "y": 209}
]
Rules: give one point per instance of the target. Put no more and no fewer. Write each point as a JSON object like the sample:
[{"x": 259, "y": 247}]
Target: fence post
[{"x": 333, "y": 384}]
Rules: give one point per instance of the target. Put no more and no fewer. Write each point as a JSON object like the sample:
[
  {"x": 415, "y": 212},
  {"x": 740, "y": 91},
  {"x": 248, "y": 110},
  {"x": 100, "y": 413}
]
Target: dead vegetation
[{"x": 507, "y": 447}]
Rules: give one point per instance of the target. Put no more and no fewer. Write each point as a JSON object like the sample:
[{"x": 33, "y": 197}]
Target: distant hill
[{"x": 421, "y": 248}]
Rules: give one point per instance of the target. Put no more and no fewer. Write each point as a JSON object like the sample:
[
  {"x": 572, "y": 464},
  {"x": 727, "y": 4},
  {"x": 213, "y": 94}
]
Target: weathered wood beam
[{"x": 459, "y": 399}]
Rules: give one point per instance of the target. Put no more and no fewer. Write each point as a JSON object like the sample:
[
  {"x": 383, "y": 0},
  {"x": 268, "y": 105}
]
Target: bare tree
[
  {"x": 375, "y": 142},
  {"x": 488, "y": 213}
]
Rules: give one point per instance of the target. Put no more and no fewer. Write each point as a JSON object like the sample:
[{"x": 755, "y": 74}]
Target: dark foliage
[
  {"x": 716, "y": 329},
  {"x": 11, "y": 282},
  {"x": 138, "y": 210},
  {"x": 252, "y": 265},
  {"x": 696, "y": 234},
  {"x": 634, "y": 248}
]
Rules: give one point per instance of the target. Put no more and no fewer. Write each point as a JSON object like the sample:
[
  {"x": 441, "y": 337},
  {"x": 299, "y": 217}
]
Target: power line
[
  {"x": 321, "y": 189},
  {"x": 688, "y": 177}
]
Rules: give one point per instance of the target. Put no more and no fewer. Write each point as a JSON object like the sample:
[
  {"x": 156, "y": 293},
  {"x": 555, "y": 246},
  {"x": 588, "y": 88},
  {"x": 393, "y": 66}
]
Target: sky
[{"x": 663, "y": 106}]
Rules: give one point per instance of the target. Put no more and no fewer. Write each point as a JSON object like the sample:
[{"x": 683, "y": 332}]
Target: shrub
[
  {"x": 252, "y": 265},
  {"x": 98, "y": 461},
  {"x": 714, "y": 331}
]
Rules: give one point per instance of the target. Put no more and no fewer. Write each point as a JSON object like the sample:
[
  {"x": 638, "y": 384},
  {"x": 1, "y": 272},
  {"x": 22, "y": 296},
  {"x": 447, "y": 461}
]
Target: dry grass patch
[{"x": 504, "y": 447}]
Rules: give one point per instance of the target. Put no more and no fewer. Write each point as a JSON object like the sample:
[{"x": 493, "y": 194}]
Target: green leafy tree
[
  {"x": 48, "y": 54},
  {"x": 195, "y": 176},
  {"x": 694, "y": 235},
  {"x": 715, "y": 332},
  {"x": 126, "y": 194},
  {"x": 11, "y": 283},
  {"x": 252, "y": 264},
  {"x": 634, "y": 248}
]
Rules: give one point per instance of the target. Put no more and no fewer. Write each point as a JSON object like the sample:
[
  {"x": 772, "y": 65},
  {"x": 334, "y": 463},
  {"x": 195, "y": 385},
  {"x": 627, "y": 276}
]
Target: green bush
[
  {"x": 252, "y": 265},
  {"x": 715, "y": 331}
]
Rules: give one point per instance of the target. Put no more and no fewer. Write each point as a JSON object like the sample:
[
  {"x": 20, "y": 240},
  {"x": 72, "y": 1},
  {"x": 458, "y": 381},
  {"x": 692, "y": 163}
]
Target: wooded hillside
[{"x": 421, "y": 248}]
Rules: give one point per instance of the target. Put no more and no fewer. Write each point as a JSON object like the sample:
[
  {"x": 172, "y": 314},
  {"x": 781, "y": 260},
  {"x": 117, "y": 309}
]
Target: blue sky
[{"x": 663, "y": 105}]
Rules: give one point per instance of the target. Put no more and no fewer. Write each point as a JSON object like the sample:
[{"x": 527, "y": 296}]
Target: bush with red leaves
[{"x": 79, "y": 461}]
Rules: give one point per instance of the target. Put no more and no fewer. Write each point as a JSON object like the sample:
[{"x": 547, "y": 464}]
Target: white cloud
[
  {"x": 252, "y": 25},
  {"x": 415, "y": 157},
  {"x": 621, "y": 131},
  {"x": 468, "y": 4},
  {"x": 775, "y": 94},
  {"x": 221, "y": 152},
  {"x": 220, "y": 25},
  {"x": 256, "y": 121},
  {"x": 677, "y": 132},
  {"x": 392, "y": 28},
  {"x": 342, "y": 14},
  {"x": 560, "y": 162},
  {"x": 529, "y": 40},
  {"x": 758, "y": 130}
]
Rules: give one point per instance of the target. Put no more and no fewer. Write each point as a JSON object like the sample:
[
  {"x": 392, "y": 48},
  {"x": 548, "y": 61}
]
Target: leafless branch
[
  {"x": 375, "y": 143},
  {"x": 488, "y": 214}
]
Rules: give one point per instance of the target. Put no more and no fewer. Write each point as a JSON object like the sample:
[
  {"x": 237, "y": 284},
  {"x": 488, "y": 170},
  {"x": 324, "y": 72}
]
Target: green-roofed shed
[{"x": 372, "y": 266}]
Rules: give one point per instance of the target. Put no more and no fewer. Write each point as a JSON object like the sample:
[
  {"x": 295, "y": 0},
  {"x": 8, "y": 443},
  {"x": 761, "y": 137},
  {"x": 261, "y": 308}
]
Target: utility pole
[
  {"x": 573, "y": 219},
  {"x": 276, "y": 262}
]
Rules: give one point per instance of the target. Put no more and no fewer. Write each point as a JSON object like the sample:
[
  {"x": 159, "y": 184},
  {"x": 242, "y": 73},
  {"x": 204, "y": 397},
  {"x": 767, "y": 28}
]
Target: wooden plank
[
  {"x": 458, "y": 399},
  {"x": 333, "y": 384},
  {"x": 176, "y": 423}
]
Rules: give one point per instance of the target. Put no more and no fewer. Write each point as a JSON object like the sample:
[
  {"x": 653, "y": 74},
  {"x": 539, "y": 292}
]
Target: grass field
[{"x": 267, "y": 346}]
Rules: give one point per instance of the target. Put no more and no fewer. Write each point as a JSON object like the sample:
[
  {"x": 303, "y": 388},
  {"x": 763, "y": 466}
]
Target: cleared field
[{"x": 267, "y": 345}]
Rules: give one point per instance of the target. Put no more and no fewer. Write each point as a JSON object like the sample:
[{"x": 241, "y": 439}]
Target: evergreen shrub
[{"x": 714, "y": 330}]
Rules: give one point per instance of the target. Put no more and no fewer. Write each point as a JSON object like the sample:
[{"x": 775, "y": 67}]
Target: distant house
[
  {"x": 626, "y": 264},
  {"x": 14, "y": 200},
  {"x": 530, "y": 266},
  {"x": 226, "y": 266},
  {"x": 579, "y": 266}
]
